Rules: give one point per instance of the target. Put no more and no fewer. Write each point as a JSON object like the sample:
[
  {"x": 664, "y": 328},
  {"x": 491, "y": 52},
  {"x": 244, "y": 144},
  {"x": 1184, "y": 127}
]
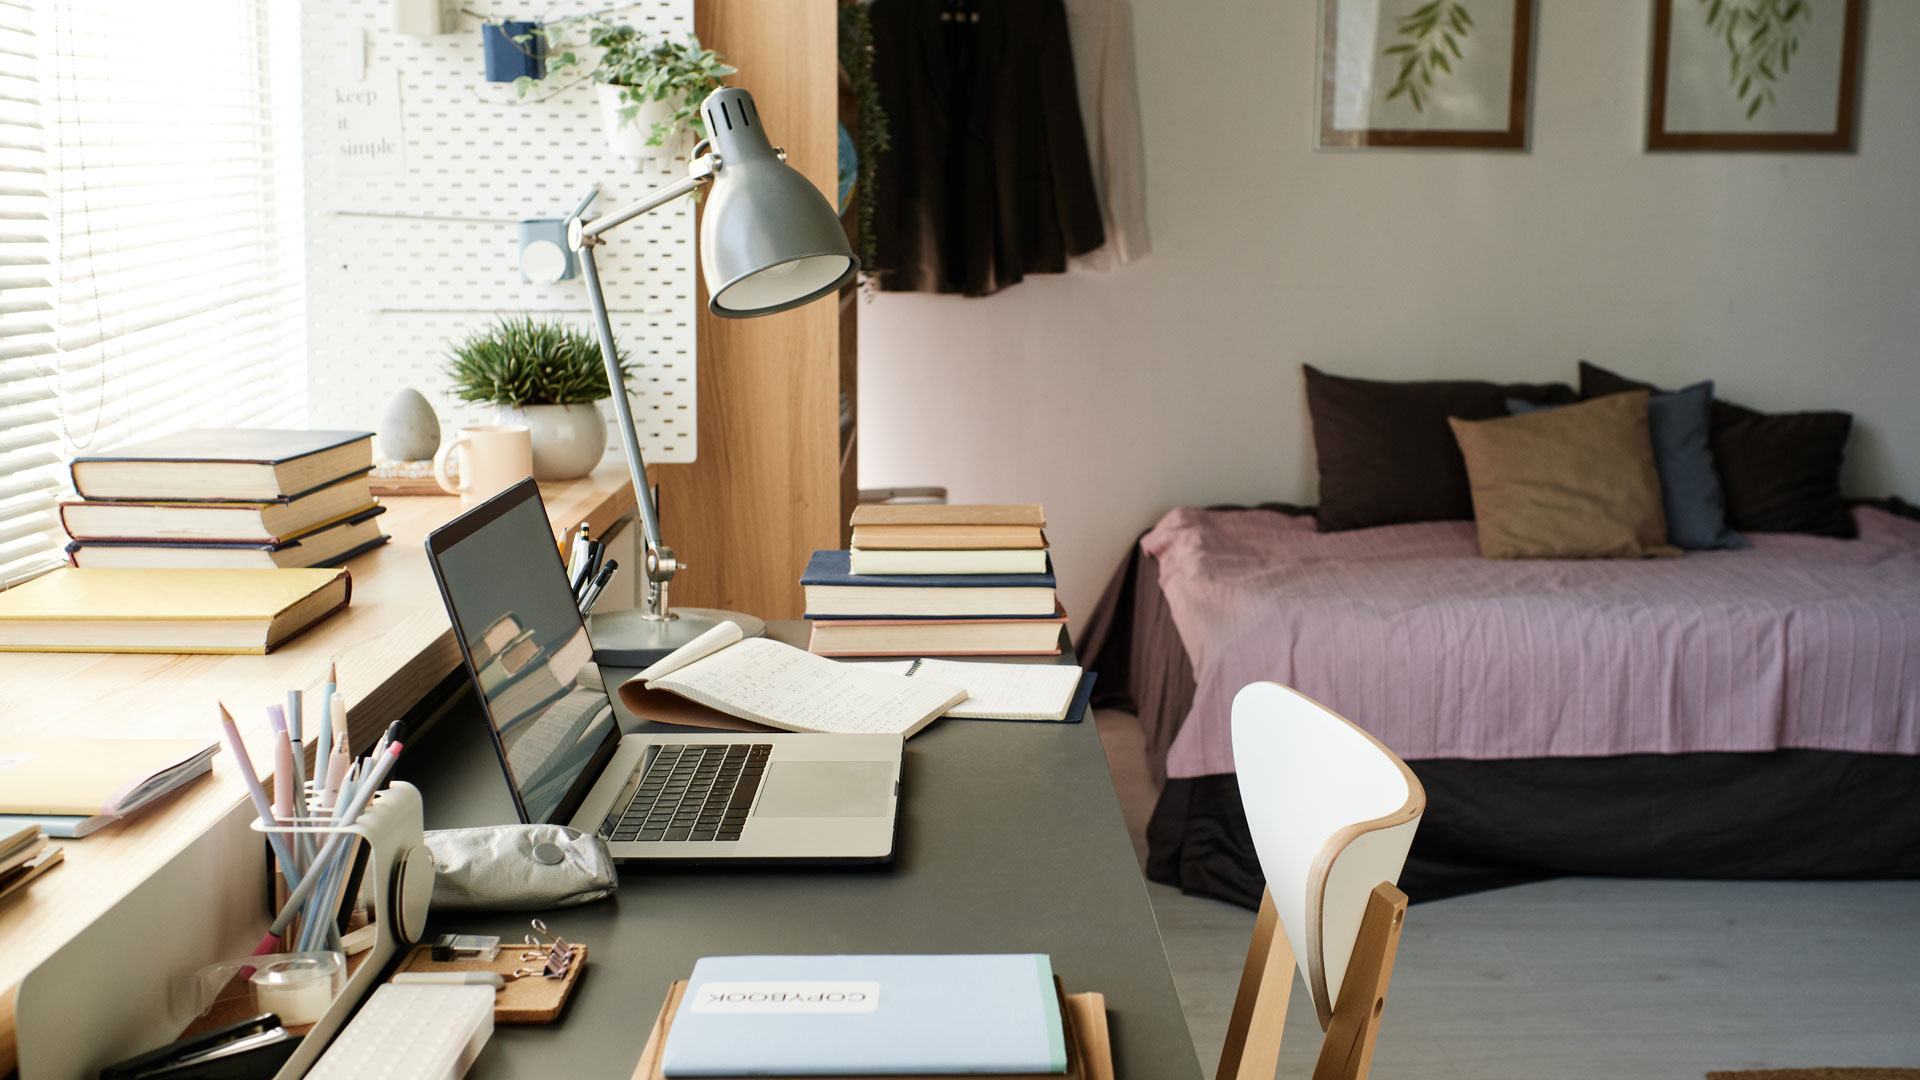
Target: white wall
[{"x": 1792, "y": 280}]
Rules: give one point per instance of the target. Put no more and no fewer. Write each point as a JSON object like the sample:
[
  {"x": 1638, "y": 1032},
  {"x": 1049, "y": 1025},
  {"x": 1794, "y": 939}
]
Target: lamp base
[{"x": 628, "y": 639}]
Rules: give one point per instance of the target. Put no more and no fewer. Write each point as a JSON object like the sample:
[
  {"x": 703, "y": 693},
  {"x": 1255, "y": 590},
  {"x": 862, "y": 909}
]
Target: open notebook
[{"x": 791, "y": 689}]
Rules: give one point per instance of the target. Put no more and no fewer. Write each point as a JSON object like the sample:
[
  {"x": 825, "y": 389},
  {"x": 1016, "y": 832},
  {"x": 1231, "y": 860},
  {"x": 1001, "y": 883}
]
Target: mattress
[{"x": 1799, "y": 643}]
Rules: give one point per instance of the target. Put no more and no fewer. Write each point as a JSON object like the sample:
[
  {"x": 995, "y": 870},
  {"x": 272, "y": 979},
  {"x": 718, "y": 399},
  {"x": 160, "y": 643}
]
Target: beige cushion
[{"x": 1571, "y": 483}]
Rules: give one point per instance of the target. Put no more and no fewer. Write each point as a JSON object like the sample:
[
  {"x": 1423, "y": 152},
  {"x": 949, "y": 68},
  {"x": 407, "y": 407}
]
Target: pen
[
  {"x": 599, "y": 585},
  {"x": 325, "y": 741},
  {"x": 258, "y": 793},
  {"x": 392, "y": 735},
  {"x": 595, "y": 552},
  {"x": 362, "y": 794}
]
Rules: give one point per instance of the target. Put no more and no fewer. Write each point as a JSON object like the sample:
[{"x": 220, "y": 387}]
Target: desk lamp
[{"x": 769, "y": 241}]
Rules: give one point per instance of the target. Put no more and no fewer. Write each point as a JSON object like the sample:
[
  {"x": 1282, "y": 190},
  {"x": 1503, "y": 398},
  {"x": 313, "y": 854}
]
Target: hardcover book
[
  {"x": 167, "y": 611},
  {"x": 263, "y": 521},
  {"x": 944, "y": 514},
  {"x": 833, "y": 589},
  {"x": 329, "y": 544},
  {"x": 231, "y": 464},
  {"x": 947, "y": 537}
]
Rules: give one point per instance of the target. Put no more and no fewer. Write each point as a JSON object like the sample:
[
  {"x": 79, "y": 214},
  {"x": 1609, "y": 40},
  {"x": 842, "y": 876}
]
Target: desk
[
  {"x": 1011, "y": 840},
  {"x": 393, "y": 644}
]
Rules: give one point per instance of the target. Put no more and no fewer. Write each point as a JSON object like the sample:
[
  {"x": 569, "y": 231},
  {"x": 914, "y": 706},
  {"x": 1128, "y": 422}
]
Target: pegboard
[{"x": 407, "y": 259}]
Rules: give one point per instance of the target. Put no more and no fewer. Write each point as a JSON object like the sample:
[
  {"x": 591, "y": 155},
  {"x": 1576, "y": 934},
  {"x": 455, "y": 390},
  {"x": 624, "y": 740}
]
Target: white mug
[{"x": 493, "y": 458}]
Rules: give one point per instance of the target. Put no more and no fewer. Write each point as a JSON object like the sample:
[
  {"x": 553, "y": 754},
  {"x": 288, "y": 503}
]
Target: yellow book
[
  {"x": 95, "y": 777},
  {"x": 167, "y": 611}
]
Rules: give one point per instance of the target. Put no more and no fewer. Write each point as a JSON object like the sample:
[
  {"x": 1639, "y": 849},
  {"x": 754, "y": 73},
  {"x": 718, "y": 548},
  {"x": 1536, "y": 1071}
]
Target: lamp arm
[
  {"x": 700, "y": 173},
  {"x": 659, "y": 563}
]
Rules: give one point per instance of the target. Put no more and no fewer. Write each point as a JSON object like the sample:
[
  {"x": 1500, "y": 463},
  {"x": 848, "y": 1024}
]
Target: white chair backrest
[{"x": 1332, "y": 813}]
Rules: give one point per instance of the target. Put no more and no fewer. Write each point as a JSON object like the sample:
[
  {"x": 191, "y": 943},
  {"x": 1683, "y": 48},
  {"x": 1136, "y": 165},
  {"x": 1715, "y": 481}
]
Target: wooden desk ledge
[{"x": 392, "y": 644}]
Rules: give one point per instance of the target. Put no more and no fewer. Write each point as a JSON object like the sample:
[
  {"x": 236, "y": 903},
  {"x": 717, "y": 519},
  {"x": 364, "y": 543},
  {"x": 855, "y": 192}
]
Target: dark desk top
[{"x": 1011, "y": 840}]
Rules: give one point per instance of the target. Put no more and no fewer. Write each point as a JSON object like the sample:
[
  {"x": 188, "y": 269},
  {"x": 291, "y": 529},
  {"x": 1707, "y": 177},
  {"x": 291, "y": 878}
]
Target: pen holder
[{"x": 401, "y": 872}]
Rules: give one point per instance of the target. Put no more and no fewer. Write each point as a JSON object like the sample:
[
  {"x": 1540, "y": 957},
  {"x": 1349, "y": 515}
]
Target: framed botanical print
[
  {"x": 1754, "y": 74},
  {"x": 1449, "y": 73}
]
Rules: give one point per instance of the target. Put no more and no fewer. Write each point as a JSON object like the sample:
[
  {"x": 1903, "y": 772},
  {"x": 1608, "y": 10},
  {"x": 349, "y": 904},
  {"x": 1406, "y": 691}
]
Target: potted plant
[
  {"x": 650, "y": 89},
  {"x": 546, "y": 375}
]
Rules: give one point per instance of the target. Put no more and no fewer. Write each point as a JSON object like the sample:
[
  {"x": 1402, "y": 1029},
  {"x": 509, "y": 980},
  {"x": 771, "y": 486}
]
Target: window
[{"x": 151, "y": 277}]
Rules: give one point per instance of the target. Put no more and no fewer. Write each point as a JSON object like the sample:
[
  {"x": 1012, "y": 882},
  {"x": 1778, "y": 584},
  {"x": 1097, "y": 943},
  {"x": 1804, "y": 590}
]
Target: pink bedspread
[{"x": 1800, "y": 642}]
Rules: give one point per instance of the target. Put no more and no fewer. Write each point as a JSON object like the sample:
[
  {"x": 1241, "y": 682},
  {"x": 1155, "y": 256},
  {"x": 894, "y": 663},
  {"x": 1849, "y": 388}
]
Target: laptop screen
[{"x": 525, "y": 643}]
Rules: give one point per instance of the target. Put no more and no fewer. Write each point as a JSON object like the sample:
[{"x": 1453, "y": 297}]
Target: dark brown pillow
[
  {"x": 1386, "y": 454},
  {"x": 1572, "y": 483},
  {"x": 1781, "y": 471}
]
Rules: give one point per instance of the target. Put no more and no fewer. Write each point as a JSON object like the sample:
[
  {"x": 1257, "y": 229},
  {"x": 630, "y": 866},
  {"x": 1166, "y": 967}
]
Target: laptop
[{"x": 702, "y": 795}]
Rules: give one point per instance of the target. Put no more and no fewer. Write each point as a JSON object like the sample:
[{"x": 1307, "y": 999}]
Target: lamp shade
[{"x": 769, "y": 240}]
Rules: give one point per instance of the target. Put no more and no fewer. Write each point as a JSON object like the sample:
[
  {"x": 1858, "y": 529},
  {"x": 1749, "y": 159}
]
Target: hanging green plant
[
  {"x": 856, "y": 57},
  {"x": 645, "y": 69}
]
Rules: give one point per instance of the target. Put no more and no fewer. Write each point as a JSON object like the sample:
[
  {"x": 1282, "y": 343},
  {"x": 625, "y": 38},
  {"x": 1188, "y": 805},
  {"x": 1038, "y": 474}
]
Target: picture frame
[
  {"x": 1425, "y": 73},
  {"x": 1784, "y": 75}
]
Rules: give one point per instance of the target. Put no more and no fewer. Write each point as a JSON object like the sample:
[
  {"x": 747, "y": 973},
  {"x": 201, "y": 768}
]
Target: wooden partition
[{"x": 774, "y": 476}]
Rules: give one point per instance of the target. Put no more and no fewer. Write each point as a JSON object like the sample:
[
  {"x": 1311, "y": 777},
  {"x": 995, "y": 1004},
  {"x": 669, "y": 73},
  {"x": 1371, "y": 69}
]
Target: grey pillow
[{"x": 1689, "y": 487}]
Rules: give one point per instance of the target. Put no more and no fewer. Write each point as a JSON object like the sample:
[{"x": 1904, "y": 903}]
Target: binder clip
[{"x": 549, "y": 948}]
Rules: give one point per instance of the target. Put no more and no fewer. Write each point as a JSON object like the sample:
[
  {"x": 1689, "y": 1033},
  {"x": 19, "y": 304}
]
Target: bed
[{"x": 1728, "y": 714}]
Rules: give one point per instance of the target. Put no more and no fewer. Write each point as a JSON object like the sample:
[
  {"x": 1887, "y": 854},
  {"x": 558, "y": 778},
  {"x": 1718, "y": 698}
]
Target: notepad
[
  {"x": 95, "y": 777},
  {"x": 886, "y": 1016},
  {"x": 769, "y": 683},
  {"x": 998, "y": 691}
]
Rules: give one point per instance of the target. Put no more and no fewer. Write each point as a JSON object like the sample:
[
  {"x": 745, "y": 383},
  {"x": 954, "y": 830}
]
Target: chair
[{"x": 1332, "y": 813}]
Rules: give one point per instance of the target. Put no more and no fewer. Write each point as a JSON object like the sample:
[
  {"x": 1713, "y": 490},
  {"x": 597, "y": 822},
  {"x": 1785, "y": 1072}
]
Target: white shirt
[{"x": 1102, "y": 35}]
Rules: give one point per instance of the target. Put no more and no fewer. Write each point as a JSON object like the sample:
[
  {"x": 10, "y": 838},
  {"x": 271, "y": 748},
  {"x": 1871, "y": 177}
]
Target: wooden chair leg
[
  {"x": 1347, "y": 1053},
  {"x": 1252, "y": 1051}
]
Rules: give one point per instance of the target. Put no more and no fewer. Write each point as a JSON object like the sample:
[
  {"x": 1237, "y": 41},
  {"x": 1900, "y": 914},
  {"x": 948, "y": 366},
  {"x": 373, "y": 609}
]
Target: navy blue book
[
  {"x": 833, "y": 590},
  {"x": 225, "y": 464}
]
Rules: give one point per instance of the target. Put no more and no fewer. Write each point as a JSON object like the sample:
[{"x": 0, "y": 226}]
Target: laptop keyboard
[{"x": 692, "y": 791}]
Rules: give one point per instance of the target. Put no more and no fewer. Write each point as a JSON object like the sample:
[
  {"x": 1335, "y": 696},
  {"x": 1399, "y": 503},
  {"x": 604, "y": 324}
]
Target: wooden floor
[{"x": 1590, "y": 977}]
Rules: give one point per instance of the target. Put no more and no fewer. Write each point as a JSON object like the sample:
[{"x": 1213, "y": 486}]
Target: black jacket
[{"x": 987, "y": 177}]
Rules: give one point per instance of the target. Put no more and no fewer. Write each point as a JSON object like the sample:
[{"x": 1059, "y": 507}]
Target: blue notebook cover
[
  {"x": 56, "y": 826},
  {"x": 834, "y": 568},
  {"x": 867, "y": 1015}
]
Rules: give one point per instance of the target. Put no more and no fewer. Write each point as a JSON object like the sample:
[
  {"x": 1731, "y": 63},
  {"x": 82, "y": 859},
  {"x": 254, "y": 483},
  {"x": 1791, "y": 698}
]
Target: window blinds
[{"x": 152, "y": 274}]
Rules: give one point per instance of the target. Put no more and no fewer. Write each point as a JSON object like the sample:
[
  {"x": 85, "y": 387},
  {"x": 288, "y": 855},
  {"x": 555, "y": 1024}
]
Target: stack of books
[
  {"x": 936, "y": 580},
  {"x": 241, "y": 498}
]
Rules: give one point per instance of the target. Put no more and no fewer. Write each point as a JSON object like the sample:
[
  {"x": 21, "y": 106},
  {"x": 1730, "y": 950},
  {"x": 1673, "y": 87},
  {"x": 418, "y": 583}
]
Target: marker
[{"x": 283, "y": 782}]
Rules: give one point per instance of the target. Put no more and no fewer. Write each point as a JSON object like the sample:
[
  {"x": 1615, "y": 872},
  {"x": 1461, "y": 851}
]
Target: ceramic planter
[
  {"x": 629, "y": 140},
  {"x": 508, "y": 59},
  {"x": 568, "y": 440}
]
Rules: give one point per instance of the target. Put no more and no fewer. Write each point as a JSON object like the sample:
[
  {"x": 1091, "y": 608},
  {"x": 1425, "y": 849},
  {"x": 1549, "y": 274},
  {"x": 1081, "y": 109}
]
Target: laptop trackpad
[{"x": 827, "y": 789}]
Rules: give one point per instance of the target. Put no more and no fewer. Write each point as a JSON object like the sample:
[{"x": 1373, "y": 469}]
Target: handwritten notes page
[
  {"x": 999, "y": 691},
  {"x": 781, "y": 686}
]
